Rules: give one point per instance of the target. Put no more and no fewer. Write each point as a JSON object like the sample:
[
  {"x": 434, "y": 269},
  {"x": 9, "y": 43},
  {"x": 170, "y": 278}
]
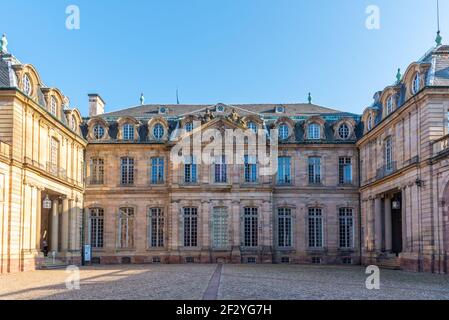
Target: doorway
[{"x": 396, "y": 223}]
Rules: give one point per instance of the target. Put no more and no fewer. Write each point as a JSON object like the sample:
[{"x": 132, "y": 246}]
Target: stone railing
[{"x": 440, "y": 145}]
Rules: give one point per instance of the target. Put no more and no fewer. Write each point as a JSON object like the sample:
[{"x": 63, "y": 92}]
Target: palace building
[{"x": 347, "y": 189}]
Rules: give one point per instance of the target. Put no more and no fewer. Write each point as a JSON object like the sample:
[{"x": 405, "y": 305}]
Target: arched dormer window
[
  {"x": 314, "y": 131},
  {"x": 53, "y": 106},
  {"x": 416, "y": 84},
  {"x": 343, "y": 131},
  {"x": 390, "y": 104},
  {"x": 27, "y": 85},
  {"x": 128, "y": 132},
  {"x": 369, "y": 123},
  {"x": 284, "y": 131},
  {"x": 98, "y": 131},
  {"x": 158, "y": 131}
]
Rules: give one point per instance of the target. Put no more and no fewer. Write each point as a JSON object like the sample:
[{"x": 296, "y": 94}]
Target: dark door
[{"x": 396, "y": 216}]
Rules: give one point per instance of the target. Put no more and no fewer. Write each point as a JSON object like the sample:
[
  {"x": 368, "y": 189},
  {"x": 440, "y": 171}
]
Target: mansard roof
[{"x": 269, "y": 110}]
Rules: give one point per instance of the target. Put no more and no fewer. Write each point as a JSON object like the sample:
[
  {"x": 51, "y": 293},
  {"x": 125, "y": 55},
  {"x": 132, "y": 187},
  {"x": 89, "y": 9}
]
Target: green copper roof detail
[
  {"x": 310, "y": 98},
  {"x": 4, "y": 44},
  {"x": 439, "y": 39},
  {"x": 398, "y": 76}
]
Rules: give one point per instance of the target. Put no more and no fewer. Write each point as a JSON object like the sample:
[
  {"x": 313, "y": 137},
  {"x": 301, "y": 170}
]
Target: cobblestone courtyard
[{"x": 194, "y": 282}]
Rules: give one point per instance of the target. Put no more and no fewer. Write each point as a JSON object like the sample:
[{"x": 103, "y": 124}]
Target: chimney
[{"x": 96, "y": 105}]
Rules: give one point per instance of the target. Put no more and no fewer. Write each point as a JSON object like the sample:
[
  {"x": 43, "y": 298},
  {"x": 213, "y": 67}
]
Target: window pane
[
  {"x": 190, "y": 227},
  {"x": 284, "y": 227},
  {"x": 96, "y": 222},
  {"x": 346, "y": 226},
  {"x": 251, "y": 222},
  {"x": 315, "y": 228},
  {"x": 220, "y": 232},
  {"x": 284, "y": 170},
  {"x": 156, "y": 228}
]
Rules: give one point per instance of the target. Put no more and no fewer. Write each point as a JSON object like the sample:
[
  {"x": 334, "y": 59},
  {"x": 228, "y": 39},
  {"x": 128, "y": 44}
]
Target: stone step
[
  {"x": 389, "y": 263},
  {"x": 50, "y": 264}
]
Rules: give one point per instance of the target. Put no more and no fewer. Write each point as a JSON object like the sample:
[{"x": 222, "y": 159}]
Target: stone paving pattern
[{"x": 241, "y": 282}]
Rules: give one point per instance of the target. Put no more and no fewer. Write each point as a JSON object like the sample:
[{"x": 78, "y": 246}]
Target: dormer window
[
  {"x": 98, "y": 132},
  {"x": 220, "y": 109},
  {"x": 283, "y": 132},
  {"x": 27, "y": 87},
  {"x": 369, "y": 124},
  {"x": 252, "y": 126},
  {"x": 162, "y": 110},
  {"x": 53, "y": 105},
  {"x": 72, "y": 123},
  {"x": 343, "y": 131},
  {"x": 280, "y": 109},
  {"x": 314, "y": 131},
  {"x": 390, "y": 104},
  {"x": 128, "y": 132},
  {"x": 189, "y": 126},
  {"x": 416, "y": 85},
  {"x": 158, "y": 131}
]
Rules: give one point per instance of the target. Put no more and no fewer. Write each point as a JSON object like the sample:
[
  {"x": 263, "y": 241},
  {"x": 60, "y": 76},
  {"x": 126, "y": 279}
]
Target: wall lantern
[
  {"x": 47, "y": 203},
  {"x": 396, "y": 205}
]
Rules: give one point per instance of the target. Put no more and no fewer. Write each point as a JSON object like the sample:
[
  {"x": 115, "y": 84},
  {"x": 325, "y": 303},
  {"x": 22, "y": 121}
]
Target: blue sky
[{"x": 230, "y": 51}]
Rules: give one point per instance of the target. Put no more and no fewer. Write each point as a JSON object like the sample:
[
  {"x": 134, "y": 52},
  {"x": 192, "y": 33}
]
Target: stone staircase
[
  {"x": 52, "y": 264},
  {"x": 389, "y": 262}
]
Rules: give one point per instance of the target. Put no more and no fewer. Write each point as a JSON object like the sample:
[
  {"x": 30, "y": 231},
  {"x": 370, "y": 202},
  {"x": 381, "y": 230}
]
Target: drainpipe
[{"x": 359, "y": 169}]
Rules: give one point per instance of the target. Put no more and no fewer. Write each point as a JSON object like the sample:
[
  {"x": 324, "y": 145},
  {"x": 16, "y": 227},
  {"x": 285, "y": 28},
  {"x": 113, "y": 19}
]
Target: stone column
[
  {"x": 38, "y": 219},
  {"x": 78, "y": 224},
  {"x": 388, "y": 226},
  {"x": 54, "y": 226},
  {"x": 73, "y": 225},
  {"x": 378, "y": 223},
  {"x": 65, "y": 225}
]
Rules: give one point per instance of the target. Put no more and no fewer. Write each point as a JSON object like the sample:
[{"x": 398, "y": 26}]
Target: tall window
[
  {"x": 390, "y": 102},
  {"x": 389, "y": 154},
  {"x": 346, "y": 225},
  {"x": 284, "y": 227},
  {"x": 156, "y": 228},
  {"x": 125, "y": 234},
  {"x": 158, "y": 131},
  {"x": 220, "y": 231},
  {"x": 157, "y": 170},
  {"x": 27, "y": 87},
  {"x": 369, "y": 124},
  {"x": 220, "y": 170},
  {"x": 190, "y": 227},
  {"x": 315, "y": 170},
  {"x": 96, "y": 223},
  {"x": 53, "y": 106},
  {"x": 250, "y": 169},
  {"x": 283, "y": 131},
  {"x": 54, "y": 156},
  {"x": 284, "y": 170},
  {"x": 98, "y": 132},
  {"x": 315, "y": 228},
  {"x": 251, "y": 225},
  {"x": 345, "y": 170},
  {"x": 127, "y": 171},
  {"x": 314, "y": 131},
  {"x": 96, "y": 171},
  {"x": 128, "y": 132},
  {"x": 190, "y": 170}
]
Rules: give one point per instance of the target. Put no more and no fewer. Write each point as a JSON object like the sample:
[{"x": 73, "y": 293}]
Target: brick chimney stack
[{"x": 96, "y": 105}]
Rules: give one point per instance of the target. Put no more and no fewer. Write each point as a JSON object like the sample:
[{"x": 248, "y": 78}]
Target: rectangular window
[
  {"x": 250, "y": 169},
  {"x": 96, "y": 171},
  {"x": 127, "y": 171},
  {"x": 190, "y": 227},
  {"x": 96, "y": 223},
  {"x": 345, "y": 170},
  {"x": 314, "y": 170},
  {"x": 126, "y": 228},
  {"x": 220, "y": 170},
  {"x": 315, "y": 228},
  {"x": 54, "y": 156},
  {"x": 157, "y": 170},
  {"x": 156, "y": 228},
  {"x": 346, "y": 226},
  {"x": 220, "y": 231},
  {"x": 389, "y": 154},
  {"x": 128, "y": 132},
  {"x": 190, "y": 170},
  {"x": 284, "y": 227},
  {"x": 251, "y": 225},
  {"x": 284, "y": 170}
]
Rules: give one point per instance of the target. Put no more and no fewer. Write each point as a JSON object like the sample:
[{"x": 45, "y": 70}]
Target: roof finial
[
  {"x": 310, "y": 98},
  {"x": 4, "y": 44},
  {"x": 142, "y": 99},
  {"x": 438, "y": 39},
  {"x": 177, "y": 96},
  {"x": 398, "y": 76}
]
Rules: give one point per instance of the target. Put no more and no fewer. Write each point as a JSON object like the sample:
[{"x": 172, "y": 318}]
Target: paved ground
[{"x": 193, "y": 282}]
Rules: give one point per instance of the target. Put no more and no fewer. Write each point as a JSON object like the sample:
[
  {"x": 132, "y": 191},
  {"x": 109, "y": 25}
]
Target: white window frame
[{"x": 314, "y": 131}]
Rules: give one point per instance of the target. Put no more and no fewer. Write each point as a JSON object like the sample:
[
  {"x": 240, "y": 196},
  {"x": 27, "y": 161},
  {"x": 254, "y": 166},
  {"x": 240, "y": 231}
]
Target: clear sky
[{"x": 230, "y": 51}]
